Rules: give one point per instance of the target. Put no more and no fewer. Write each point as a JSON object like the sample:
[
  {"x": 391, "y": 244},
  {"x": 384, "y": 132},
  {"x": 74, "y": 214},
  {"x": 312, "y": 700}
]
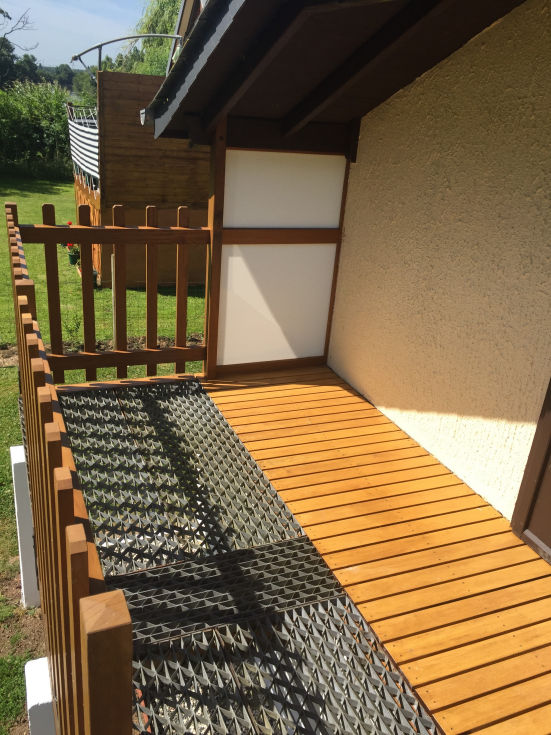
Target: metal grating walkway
[{"x": 239, "y": 625}]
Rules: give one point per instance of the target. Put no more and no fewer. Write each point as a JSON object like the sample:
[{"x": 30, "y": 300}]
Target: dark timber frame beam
[
  {"x": 283, "y": 26},
  {"x": 347, "y": 73}
]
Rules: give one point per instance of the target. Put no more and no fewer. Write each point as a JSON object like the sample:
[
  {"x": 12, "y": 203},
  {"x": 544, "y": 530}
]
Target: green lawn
[{"x": 29, "y": 195}]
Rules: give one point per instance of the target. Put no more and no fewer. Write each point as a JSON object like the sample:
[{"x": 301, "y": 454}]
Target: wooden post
[
  {"x": 88, "y": 310},
  {"x": 151, "y": 286},
  {"x": 25, "y": 287},
  {"x": 79, "y": 587},
  {"x": 216, "y": 224},
  {"x": 64, "y": 504},
  {"x": 182, "y": 259},
  {"x": 52, "y": 287},
  {"x": 106, "y": 645},
  {"x": 118, "y": 284}
]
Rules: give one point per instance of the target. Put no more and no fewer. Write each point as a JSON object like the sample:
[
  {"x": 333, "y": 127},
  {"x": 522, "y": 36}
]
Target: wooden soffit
[{"x": 299, "y": 74}]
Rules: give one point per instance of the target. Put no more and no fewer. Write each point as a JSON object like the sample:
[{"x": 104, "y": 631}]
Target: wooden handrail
[{"x": 107, "y": 235}]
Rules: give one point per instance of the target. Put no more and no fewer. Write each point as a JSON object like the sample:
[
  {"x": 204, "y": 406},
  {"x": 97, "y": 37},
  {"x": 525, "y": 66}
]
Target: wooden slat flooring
[{"x": 462, "y": 605}]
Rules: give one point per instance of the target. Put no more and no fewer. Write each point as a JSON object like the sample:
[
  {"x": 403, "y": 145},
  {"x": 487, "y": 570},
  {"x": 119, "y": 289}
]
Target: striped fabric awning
[{"x": 84, "y": 139}]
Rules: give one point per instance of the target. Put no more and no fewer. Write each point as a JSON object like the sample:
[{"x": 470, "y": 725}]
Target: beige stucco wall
[{"x": 442, "y": 312}]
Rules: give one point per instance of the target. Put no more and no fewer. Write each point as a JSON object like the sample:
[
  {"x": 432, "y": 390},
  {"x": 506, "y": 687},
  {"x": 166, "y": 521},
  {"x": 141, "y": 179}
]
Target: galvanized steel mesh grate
[
  {"x": 240, "y": 585},
  {"x": 166, "y": 479},
  {"x": 239, "y": 625},
  {"x": 316, "y": 668}
]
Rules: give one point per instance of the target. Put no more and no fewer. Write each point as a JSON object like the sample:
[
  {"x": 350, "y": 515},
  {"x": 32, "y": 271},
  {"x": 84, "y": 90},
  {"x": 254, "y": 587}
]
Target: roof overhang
[{"x": 299, "y": 74}]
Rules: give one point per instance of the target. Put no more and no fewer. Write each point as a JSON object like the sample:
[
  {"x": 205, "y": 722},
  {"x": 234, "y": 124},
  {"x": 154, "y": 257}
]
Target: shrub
[{"x": 33, "y": 128}]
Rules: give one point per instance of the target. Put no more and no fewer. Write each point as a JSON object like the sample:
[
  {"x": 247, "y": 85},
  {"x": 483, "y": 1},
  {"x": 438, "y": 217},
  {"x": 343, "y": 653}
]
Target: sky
[{"x": 63, "y": 28}]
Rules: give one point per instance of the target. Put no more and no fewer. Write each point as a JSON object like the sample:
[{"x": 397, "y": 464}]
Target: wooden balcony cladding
[{"x": 461, "y": 604}]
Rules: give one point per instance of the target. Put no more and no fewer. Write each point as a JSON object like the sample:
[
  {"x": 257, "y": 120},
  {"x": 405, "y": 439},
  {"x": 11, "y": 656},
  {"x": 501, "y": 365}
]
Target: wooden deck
[{"x": 462, "y": 605}]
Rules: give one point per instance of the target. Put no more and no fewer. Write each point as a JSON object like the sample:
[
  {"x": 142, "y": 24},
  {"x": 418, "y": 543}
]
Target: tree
[
  {"x": 26, "y": 69},
  {"x": 7, "y": 62},
  {"x": 160, "y": 16},
  {"x": 64, "y": 75},
  {"x": 8, "y": 26},
  {"x": 12, "y": 68}
]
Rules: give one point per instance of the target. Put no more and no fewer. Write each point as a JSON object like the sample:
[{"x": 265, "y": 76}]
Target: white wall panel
[
  {"x": 273, "y": 189},
  {"x": 274, "y": 301}
]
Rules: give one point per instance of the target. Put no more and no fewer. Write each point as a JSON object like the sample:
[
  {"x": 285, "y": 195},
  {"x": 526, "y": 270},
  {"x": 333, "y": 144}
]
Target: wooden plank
[
  {"x": 304, "y": 421},
  {"x": 426, "y": 559},
  {"x": 52, "y": 235},
  {"x": 266, "y": 377},
  {"x": 473, "y": 684},
  {"x": 52, "y": 289},
  {"x": 280, "y": 236},
  {"x": 516, "y": 617},
  {"x": 301, "y": 401},
  {"x": 360, "y": 467},
  {"x": 403, "y": 530},
  {"x": 533, "y": 721},
  {"x": 523, "y": 588},
  {"x": 480, "y": 653},
  {"x": 182, "y": 265},
  {"x": 330, "y": 402},
  {"x": 282, "y": 457},
  {"x": 353, "y": 460},
  {"x": 88, "y": 310},
  {"x": 387, "y": 549},
  {"x": 364, "y": 480},
  {"x": 390, "y": 517},
  {"x": 448, "y": 591},
  {"x": 119, "y": 291},
  {"x": 151, "y": 286},
  {"x": 498, "y": 706},
  {"x": 362, "y": 431},
  {"x": 314, "y": 429},
  {"x": 313, "y": 416},
  {"x": 322, "y": 384},
  {"x": 422, "y": 579},
  {"x": 372, "y": 492},
  {"x": 376, "y": 504},
  {"x": 216, "y": 225},
  {"x": 120, "y": 360},
  {"x": 311, "y": 459}
]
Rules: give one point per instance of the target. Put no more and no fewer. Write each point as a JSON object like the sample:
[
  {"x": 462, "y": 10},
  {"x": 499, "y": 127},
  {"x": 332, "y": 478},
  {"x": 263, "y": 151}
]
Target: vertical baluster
[
  {"x": 88, "y": 312},
  {"x": 79, "y": 587},
  {"x": 52, "y": 440},
  {"x": 151, "y": 284},
  {"x": 52, "y": 286},
  {"x": 182, "y": 260},
  {"x": 63, "y": 506},
  {"x": 118, "y": 285}
]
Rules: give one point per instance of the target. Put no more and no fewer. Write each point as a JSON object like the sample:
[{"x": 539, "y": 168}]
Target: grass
[
  {"x": 12, "y": 690},
  {"x": 29, "y": 196}
]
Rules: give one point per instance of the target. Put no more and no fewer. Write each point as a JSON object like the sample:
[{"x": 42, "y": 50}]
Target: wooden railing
[
  {"x": 123, "y": 239},
  {"x": 88, "y": 630}
]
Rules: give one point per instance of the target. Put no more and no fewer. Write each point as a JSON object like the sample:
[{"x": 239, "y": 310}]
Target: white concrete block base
[
  {"x": 30, "y": 596},
  {"x": 39, "y": 697}
]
